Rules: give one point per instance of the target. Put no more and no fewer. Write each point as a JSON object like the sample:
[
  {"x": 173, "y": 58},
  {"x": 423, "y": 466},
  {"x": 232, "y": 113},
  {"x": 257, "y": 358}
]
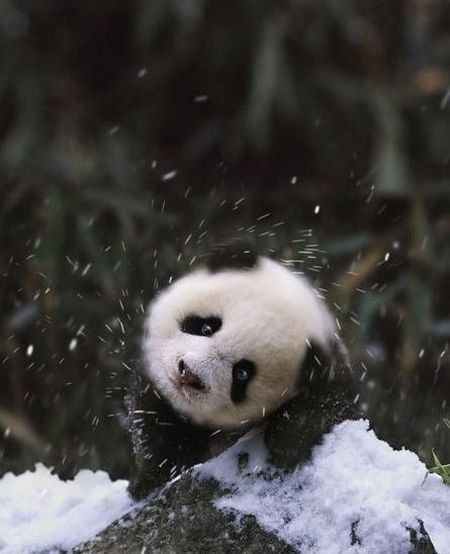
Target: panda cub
[{"x": 229, "y": 345}]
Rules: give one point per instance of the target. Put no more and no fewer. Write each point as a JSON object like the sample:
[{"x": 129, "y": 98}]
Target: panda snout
[{"x": 188, "y": 378}]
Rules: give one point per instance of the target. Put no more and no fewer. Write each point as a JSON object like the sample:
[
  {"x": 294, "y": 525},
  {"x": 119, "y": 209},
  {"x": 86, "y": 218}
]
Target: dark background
[{"x": 134, "y": 134}]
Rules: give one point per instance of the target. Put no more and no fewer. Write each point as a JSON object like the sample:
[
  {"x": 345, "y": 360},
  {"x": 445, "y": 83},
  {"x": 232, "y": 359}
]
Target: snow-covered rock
[
  {"x": 356, "y": 495},
  {"x": 356, "y": 489}
]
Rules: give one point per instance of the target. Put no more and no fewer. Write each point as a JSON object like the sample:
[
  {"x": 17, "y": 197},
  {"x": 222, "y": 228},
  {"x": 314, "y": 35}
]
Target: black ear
[
  {"x": 232, "y": 254},
  {"x": 323, "y": 364}
]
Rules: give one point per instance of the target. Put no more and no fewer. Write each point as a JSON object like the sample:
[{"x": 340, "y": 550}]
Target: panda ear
[
  {"x": 322, "y": 364},
  {"x": 232, "y": 254}
]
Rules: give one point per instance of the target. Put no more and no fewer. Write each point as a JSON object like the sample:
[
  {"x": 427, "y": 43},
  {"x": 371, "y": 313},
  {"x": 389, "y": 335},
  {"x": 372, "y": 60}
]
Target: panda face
[{"x": 225, "y": 348}]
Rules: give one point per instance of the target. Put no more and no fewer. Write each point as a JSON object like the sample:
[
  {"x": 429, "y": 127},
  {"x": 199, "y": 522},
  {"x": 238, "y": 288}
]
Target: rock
[
  {"x": 184, "y": 520},
  {"x": 420, "y": 541}
]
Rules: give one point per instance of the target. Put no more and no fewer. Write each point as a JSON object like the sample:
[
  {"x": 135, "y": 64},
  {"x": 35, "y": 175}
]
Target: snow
[
  {"x": 169, "y": 175},
  {"x": 352, "y": 477},
  {"x": 39, "y": 511}
]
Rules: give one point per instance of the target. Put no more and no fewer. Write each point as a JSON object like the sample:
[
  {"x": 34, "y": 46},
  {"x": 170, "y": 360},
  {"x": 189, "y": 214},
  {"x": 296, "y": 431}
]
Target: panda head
[{"x": 225, "y": 345}]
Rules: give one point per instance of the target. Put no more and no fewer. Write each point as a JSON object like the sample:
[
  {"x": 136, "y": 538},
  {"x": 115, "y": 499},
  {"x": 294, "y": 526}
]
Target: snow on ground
[
  {"x": 39, "y": 512},
  {"x": 353, "y": 477}
]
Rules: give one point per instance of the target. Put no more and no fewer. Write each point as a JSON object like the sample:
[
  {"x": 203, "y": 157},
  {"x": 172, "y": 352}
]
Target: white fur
[{"x": 269, "y": 314}]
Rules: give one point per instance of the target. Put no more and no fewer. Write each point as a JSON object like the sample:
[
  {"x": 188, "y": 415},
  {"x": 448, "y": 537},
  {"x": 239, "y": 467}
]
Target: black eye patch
[
  {"x": 243, "y": 371},
  {"x": 201, "y": 326}
]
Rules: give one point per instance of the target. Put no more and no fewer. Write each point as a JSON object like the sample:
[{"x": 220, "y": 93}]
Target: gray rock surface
[{"x": 184, "y": 520}]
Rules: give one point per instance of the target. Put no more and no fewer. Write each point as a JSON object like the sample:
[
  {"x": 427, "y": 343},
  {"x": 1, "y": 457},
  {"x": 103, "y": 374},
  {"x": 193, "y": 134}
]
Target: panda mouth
[{"x": 190, "y": 392}]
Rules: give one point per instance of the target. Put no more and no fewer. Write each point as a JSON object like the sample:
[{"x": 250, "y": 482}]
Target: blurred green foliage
[
  {"x": 137, "y": 133},
  {"x": 441, "y": 469}
]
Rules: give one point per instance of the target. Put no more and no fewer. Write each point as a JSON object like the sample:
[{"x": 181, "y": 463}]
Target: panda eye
[
  {"x": 201, "y": 326},
  {"x": 243, "y": 372}
]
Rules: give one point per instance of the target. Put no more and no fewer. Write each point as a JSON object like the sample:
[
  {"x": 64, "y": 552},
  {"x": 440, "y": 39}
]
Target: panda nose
[{"x": 188, "y": 378}]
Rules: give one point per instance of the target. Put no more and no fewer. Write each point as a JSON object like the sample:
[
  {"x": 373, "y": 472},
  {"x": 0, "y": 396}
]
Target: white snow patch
[
  {"x": 352, "y": 477},
  {"x": 40, "y": 512}
]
